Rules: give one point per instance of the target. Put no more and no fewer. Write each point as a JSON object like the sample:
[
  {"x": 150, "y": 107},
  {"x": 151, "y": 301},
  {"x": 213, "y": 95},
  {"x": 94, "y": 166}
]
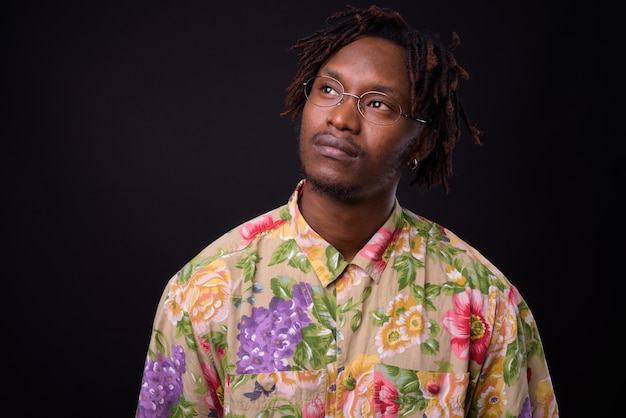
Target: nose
[{"x": 346, "y": 117}]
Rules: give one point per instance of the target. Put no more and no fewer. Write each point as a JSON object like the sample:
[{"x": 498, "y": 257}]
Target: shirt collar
[{"x": 327, "y": 262}]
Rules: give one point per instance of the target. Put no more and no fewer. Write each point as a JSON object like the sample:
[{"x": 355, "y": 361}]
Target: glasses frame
[{"x": 344, "y": 93}]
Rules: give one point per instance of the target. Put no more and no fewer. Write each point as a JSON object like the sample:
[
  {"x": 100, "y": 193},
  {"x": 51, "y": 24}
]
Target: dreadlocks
[{"x": 433, "y": 73}]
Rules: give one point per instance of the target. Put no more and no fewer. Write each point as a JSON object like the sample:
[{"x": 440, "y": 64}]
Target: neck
[{"x": 347, "y": 226}]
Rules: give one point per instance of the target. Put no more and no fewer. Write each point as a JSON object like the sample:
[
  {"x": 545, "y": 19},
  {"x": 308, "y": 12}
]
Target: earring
[{"x": 413, "y": 164}]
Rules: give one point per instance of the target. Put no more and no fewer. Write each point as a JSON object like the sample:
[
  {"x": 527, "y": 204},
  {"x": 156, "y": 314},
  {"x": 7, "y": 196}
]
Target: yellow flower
[{"x": 207, "y": 295}]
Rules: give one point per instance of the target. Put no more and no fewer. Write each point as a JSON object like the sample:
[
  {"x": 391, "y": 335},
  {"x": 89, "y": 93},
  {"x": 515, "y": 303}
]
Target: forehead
[{"x": 370, "y": 61}]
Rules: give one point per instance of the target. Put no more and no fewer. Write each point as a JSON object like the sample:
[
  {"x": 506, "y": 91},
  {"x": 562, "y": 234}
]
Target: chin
[{"x": 333, "y": 189}]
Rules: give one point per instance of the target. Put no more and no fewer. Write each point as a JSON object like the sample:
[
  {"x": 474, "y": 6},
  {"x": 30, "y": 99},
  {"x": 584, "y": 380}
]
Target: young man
[{"x": 342, "y": 303}]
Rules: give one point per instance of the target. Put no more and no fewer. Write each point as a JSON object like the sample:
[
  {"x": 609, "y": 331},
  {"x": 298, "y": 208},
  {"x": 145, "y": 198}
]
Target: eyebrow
[{"x": 377, "y": 87}]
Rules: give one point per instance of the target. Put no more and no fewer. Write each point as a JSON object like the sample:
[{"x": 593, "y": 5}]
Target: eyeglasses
[{"x": 375, "y": 106}]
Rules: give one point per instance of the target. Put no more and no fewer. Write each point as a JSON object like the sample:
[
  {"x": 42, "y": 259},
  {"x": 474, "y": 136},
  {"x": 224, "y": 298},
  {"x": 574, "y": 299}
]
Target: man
[{"x": 341, "y": 302}]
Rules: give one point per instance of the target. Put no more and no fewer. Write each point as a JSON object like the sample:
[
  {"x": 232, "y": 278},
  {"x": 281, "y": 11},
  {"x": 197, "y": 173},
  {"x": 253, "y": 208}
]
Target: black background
[{"x": 134, "y": 133}]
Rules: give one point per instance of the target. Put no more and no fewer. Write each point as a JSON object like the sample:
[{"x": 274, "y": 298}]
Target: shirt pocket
[
  {"x": 405, "y": 392},
  {"x": 277, "y": 393}
]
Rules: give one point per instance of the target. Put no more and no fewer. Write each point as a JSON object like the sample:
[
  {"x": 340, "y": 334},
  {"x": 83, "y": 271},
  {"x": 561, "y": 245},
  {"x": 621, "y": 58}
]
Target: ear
[{"x": 424, "y": 144}]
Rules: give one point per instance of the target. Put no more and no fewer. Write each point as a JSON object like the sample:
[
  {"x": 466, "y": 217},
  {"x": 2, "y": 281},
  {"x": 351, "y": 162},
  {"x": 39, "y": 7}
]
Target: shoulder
[
  {"x": 446, "y": 246},
  {"x": 240, "y": 237}
]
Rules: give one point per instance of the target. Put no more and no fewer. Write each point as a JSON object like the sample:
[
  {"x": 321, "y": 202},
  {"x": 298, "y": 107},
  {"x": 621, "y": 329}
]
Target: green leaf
[
  {"x": 318, "y": 341},
  {"x": 378, "y": 318},
  {"x": 366, "y": 293},
  {"x": 282, "y": 287},
  {"x": 300, "y": 261},
  {"x": 355, "y": 322},
  {"x": 406, "y": 265},
  {"x": 324, "y": 306},
  {"x": 430, "y": 346},
  {"x": 183, "y": 409},
  {"x": 184, "y": 328},
  {"x": 248, "y": 264},
  {"x": 334, "y": 260},
  {"x": 283, "y": 252}
]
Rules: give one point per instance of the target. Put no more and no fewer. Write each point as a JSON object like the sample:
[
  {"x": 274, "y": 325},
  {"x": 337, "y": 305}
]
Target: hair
[{"x": 433, "y": 72}]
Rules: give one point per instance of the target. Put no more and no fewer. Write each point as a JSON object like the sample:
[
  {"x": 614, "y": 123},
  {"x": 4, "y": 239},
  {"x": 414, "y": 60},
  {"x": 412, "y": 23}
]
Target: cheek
[
  {"x": 310, "y": 116},
  {"x": 312, "y": 121}
]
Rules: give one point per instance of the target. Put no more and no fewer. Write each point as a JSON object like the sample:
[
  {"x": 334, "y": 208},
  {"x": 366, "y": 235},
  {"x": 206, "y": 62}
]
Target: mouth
[{"x": 334, "y": 147}]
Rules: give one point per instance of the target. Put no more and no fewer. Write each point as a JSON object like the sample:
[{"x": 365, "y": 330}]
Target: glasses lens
[
  {"x": 375, "y": 106},
  {"x": 323, "y": 91},
  {"x": 379, "y": 108}
]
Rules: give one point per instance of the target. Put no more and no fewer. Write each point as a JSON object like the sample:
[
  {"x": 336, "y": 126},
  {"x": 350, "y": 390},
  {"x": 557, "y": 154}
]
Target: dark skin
[{"x": 353, "y": 166}]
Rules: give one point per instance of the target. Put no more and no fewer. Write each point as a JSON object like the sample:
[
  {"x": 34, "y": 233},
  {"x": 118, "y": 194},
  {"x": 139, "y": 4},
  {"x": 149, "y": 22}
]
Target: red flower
[
  {"x": 314, "y": 409},
  {"x": 212, "y": 398},
  {"x": 259, "y": 226},
  {"x": 385, "y": 397}
]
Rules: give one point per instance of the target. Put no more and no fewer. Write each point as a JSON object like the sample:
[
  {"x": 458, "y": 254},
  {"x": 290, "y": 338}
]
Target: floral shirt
[{"x": 270, "y": 320}]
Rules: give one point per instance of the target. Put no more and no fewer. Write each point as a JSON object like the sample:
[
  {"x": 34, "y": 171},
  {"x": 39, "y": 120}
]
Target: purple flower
[
  {"x": 268, "y": 338},
  {"x": 161, "y": 385}
]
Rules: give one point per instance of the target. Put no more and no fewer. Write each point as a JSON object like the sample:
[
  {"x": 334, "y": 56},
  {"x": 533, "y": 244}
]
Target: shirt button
[{"x": 433, "y": 388}]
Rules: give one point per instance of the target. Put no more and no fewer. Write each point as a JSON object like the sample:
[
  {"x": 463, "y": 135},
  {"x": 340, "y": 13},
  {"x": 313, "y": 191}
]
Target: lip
[{"x": 334, "y": 147}]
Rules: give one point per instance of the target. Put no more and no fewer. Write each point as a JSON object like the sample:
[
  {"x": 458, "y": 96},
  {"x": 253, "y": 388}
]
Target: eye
[
  {"x": 329, "y": 89},
  {"x": 379, "y": 102}
]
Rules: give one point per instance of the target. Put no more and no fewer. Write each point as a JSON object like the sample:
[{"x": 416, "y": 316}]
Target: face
[{"x": 345, "y": 155}]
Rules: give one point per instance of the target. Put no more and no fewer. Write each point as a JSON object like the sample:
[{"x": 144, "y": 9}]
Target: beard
[
  {"x": 350, "y": 192},
  {"x": 336, "y": 191}
]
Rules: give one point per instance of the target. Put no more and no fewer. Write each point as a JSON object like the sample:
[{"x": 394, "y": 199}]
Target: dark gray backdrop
[{"x": 134, "y": 133}]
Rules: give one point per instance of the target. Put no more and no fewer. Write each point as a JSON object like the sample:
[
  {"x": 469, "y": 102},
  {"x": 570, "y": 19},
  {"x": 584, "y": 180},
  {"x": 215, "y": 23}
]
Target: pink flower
[
  {"x": 212, "y": 398},
  {"x": 204, "y": 343},
  {"x": 467, "y": 326},
  {"x": 259, "y": 226},
  {"x": 377, "y": 245},
  {"x": 313, "y": 409},
  {"x": 385, "y": 397}
]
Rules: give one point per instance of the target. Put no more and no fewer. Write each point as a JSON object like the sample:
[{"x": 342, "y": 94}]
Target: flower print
[
  {"x": 174, "y": 306},
  {"x": 526, "y": 411},
  {"x": 414, "y": 324},
  {"x": 352, "y": 277},
  {"x": 207, "y": 296},
  {"x": 331, "y": 383},
  {"x": 467, "y": 326},
  {"x": 445, "y": 393},
  {"x": 407, "y": 325},
  {"x": 491, "y": 401},
  {"x": 493, "y": 365},
  {"x": 287, "y": 383},
  {"x": 311, "y": 242},
  {"x": 515, "y": 299},
  {"x": 258, "y": 226},
  {"x": 459, "y": 243},
  {"x": 546, "y": 400},
  {"x": 269, "y": 336},
  {"x": 402, "y": 244},
  {"x": 313, "y": 409},
  {"x": 418, "y": 249},
  {"x": 321, "y": 270},
  {"x": 386, "y": 403},
  {"x": 507, "y": 329},
  {"x": 390, "y": 339},
  {"x": 455, "y": 275},
  {"x": 215, "y": 393},
  {"x": 377, "y": 245},
  {"x": 161, "y": 385},
  {"x": 358, "y": 379},
  {"x": 206, "y": 346}
]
